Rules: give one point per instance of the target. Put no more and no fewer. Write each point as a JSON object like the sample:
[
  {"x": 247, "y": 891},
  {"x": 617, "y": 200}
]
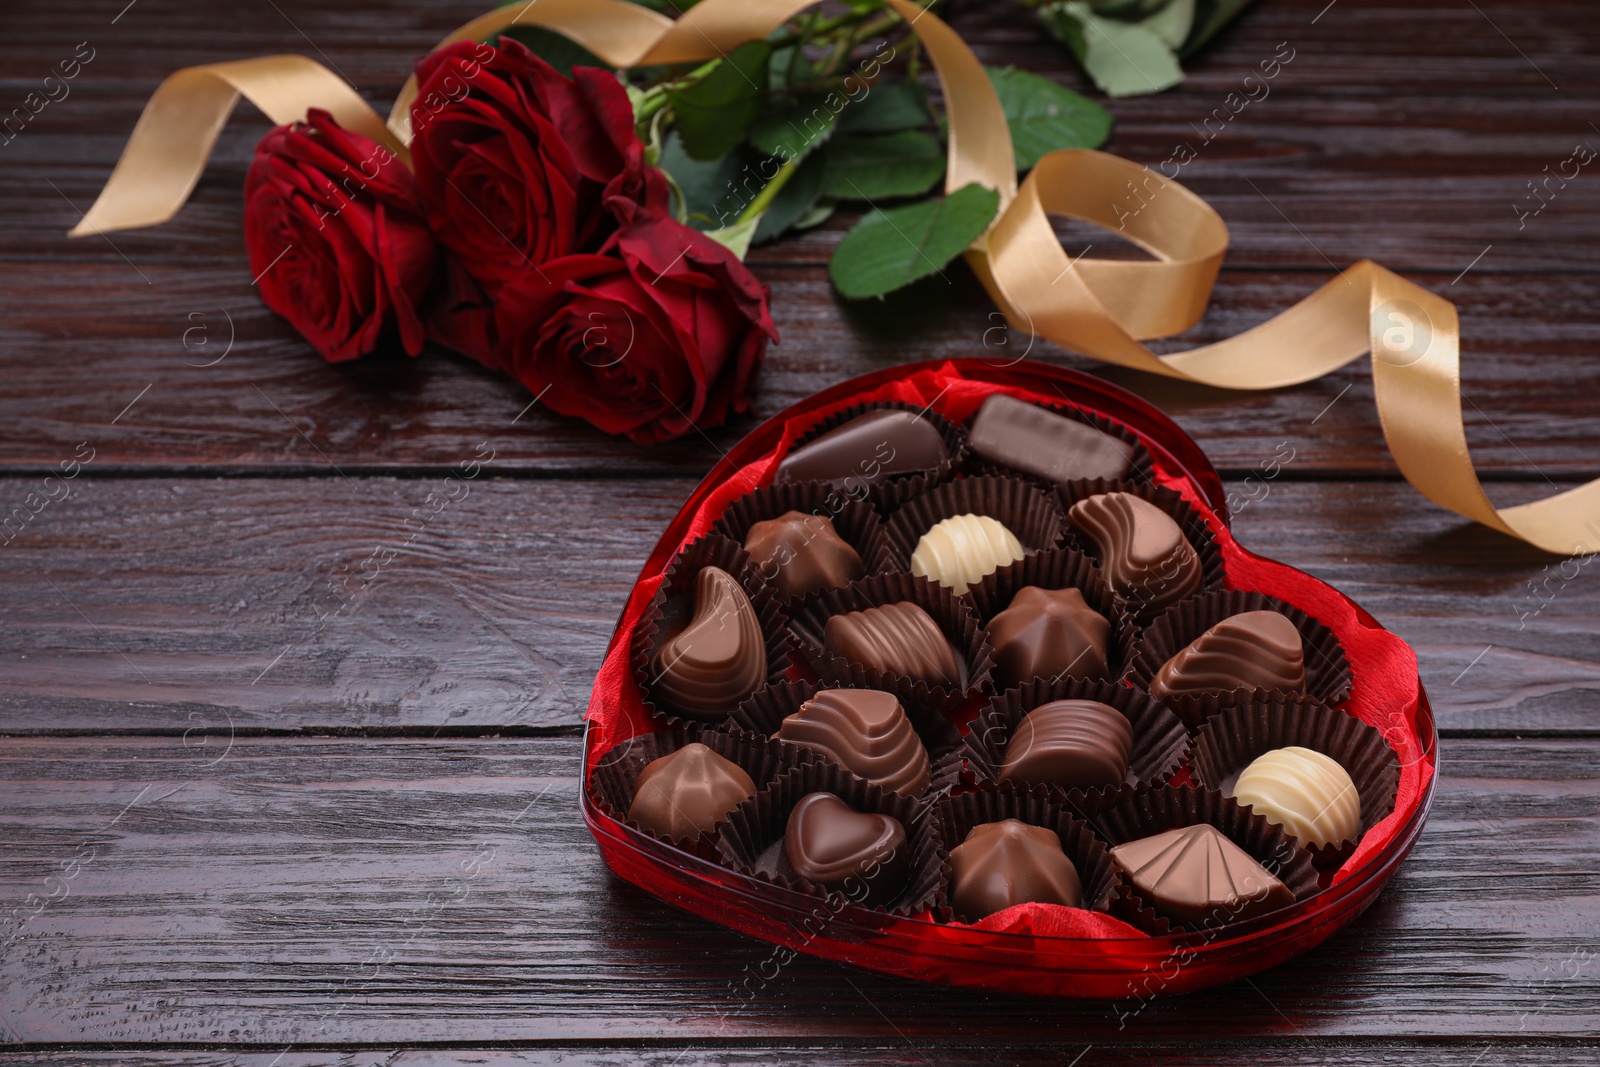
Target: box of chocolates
[{"x": 956, "y": 672}]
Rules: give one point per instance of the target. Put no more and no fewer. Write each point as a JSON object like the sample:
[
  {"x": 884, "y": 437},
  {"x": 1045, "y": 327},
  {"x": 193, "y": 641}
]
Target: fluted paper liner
[
  {"x": 1059, "y": 568},
  {"x": 891, "y": 490},
  {"x": 613, "y": 782},
  {"x": 1213, "y": 572},
  {"x": 763, "y": 713},
  {"x": 1141, "y": 467},
  {"x": 855, "y": 521},
  {"x": 1160, "y": 740},
  {"x": 760, "y": 822},
  {"x": 953, "y": 617},
  {"x": 1327, "y": 669},
  {"x": 1020, "y": 506},
  {"x": 673, "y": 606},
  {"x": 1150, "y": 810},
  {"x": 954, "y": 817},
  {"x": 1233, "y": 737}
]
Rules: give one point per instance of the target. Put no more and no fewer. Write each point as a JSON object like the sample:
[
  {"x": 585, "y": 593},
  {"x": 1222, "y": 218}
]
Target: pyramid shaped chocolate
[
  {"x": 717, "y": 660},
  {"x": 1048, "y": 632},
  {"x": 1195, "y": 876},
  {"x": 687, "y": 792},
  {"x": 1252, "y": 650},
  {"x": 800, "y": 553},
  {"x": 1004, "y": 863},
  {"x": 866, "y": 732},
  {"x": 1143, "y": 554}
]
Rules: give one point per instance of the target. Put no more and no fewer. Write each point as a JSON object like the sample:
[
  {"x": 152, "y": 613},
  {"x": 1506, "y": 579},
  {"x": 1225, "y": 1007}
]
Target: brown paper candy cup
[
  {"x": 1058, "y": 568},
  {"x": 1233, "y": 737},
  {"x": 673, "y": 606},
  {"x": 763, "y": 713},
  {"x": 954, "y": 817},
  {"x": 751, "y": 840},
  {"x": 1160, "y": 741},
  {"x": 890, "y": 490},
  {"x": 1151, "y": 810},
  {"x": 1327, "y": 669},
  {"x": 611, "y": 785},
  {"x": 1213, "y": 574},
  {"x": 855, "y": 521},
  {"x": 1140, "y": 466},
  {"x": 953, "y": 617},
  {"x": 1020, "y": 506}
]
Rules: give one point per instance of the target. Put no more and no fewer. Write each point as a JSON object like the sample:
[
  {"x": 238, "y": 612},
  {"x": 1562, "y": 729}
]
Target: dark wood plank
[{"x": 328, "y": 893}]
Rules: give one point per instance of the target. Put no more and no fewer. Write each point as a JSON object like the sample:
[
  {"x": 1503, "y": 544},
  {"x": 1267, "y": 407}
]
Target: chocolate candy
[
  {"x": 1195, "y": 876},
  {"x": 1143, "y": 553},
  {"x": 1307, "y": 793},
  {"x": 862, "y": 855},
  {"x": 898, "y": 638},
  {"x": 1048, "y": 632},
  {"x": 870, "y": 446},
  {"x": 1252, "y": 650},
  {"x": 1001, "y": 864},
  {"x": 1076, "y": 744},
  {"x": 866, "y": 732},
  {"x": 801, "y": 553},
  {"x": 962, "y": 549},
  {"x": 687, "y": 792},
  {"x": 1014, "y": 433},
  {"x": 717, "y": 660}
]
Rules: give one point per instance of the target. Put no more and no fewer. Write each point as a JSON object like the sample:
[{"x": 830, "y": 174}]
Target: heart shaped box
[{"x": 1031, "y": 949}]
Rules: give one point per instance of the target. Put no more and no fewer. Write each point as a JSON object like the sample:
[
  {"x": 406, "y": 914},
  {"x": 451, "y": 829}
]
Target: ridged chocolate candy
[
  {"x": 1076, "y": 744},
  {"x": 1143, "y": 553},
  {"x": 717, "y": 660},
  {"x": 900, "y": 638},
  {"x": 1015, "y": 433},
  {"x": 1195, "y": 876},
  {"x": 687, "y": 792},
  {"x": 1307, "y": 793},
  {"x": 958, "y": 551},
  {"x": 800, "y": 553},
  {"x": 866, "y": 732},
  {"x": 1001, "y": 864},
  {"x": 860, "y": 854},
  {"x": 1251, "y": 650},
  {"x": 870, "y": 446},
  {"x": 1047, "y": 632}
]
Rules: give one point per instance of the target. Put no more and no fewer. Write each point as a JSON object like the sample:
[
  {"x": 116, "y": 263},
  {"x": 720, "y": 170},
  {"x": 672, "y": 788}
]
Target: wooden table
[{"x": 245, "y": 823}]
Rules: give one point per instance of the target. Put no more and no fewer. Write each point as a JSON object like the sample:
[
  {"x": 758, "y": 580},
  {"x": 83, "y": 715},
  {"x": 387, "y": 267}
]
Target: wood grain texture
[{"x": 334, "y": 892}]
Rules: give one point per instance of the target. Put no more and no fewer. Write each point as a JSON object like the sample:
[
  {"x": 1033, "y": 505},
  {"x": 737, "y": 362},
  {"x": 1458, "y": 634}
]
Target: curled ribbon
[{"x": 1101, "y": 308}]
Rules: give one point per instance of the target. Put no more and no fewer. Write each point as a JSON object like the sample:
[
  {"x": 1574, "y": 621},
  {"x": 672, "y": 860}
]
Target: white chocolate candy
[
  {"x": 1305, "y": 792},
  {"x": 961, "y": 550}
]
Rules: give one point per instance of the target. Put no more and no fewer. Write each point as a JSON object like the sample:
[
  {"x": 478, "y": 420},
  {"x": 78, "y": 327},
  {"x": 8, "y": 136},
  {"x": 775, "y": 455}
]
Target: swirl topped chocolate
[
  {"x": 800, "y": 553},
  {"x": 861, "y": 854},
  {"x": 719, "y": 658},
  {"x": 1306, "y": 792},
  {"x": 1030, "y": 438},
  {"x": 959, "y": 551},
  {"x": 1075, "y": 744},
  {"x": 873, "y": 445},
  {"x": 1002, "y": 864},
  {"x": 1251, "y": 650},
  {"x": 1049, "y": 632},
  {"x": 866, "y": 732},
  {"x": 899, "y": 638},
  {"x": 1196, "y": 876},
  {"x": 687, "y": 792},
  {"x": 1143, "y": 553}
]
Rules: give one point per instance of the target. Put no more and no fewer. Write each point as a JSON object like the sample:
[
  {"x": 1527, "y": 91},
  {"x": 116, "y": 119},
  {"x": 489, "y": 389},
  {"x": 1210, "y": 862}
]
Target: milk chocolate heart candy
[
  {"x": 800, "y": 553},
  {"x": 1252, "y": 650},
  {"x": 869, "y": 447},
  {"x": 1194, "y": 875},
  {"x": 1076, "y": 744},
  {"x": 866, "y": 732},
  {"x": 1143, "y": 553},
  {"x": 717, "y": 660},
  {"x": 862, "y": 855},
  {"x": 1048, "y": 632},
  {"x": 898, "y": 638},
  {"x": 1015, "y": 433},
  {"x": 1001, "y": 864},
  {"x": 687, "y": 792},
  {"x": 962, "y": 549},
  {"x": 1307, "y": 793}
]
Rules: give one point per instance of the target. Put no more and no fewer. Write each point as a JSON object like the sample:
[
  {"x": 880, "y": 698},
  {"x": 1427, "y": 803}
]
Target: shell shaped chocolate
[
  {"x": 1251, "y": 650},
  {"x": 1196, "y": 876},
  {"x": 1307, "y": 793},
  {"x": 686, "y": 793},
  {"x": 1002, "y": 864},
  {"x": 959, "y": 551},
  {"x": 1049, "y": 632},
  {"x": 1143, "y": 554},
  {"x": 862, "y": 854},
  {"x": 866, "y": 732},
  {"x": 1076, "y": 744},
  {"x": 717, "y": 660},
  {"x": 897, "y": 638},
  {"x": 800, "y": 553}
]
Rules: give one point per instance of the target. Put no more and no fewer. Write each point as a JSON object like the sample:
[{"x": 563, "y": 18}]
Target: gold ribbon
[{"x": 1101, "y": 308}]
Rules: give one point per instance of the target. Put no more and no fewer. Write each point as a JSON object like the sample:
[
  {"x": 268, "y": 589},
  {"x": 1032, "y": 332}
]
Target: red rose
[
  {"x": 514, "y": 161},
  {"x": 660, "y": 334},
  {"x": 336, "y": 238}
]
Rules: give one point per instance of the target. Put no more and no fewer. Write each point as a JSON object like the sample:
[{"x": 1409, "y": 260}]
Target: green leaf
[
  {"x": 715, "y": 112},
  {"x": 793, "y": 132},
  {"x": 887, "y": 107},
  {"x": 1044, "y": 116},
  {"x": 1172, "y": 23},
  {"x": 861, "y": 167},
  {"x": 793, "y": 202},
  {"x": 819, "y": 214},
  {"x": 890, "y": 249},
  {"x": 715, "y": 192},
  {"x": 560, "y": 52},
  {"x": 1210, "y": 16},
  {"x": 1124, "y": 59}
]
